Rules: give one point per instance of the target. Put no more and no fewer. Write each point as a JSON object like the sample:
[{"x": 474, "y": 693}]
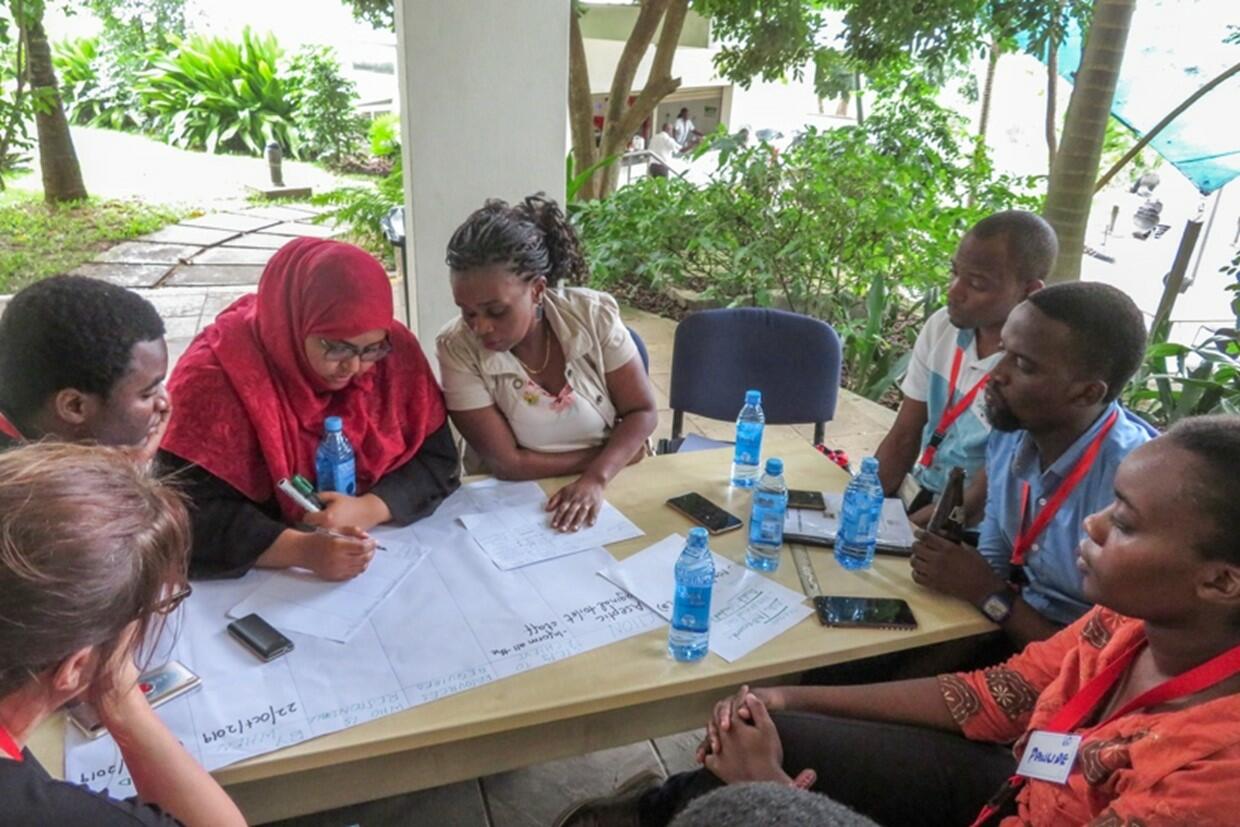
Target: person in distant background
[
  {"x": 663, "y": 147},
  {"x": 683, "y": 130},
  {"x": 83, "y": 360}
]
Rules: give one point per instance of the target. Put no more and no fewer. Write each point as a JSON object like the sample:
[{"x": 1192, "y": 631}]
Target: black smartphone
[
  {"x": 705, "y": 513},
  {"x": 260, "y": 637},
  {"x": 865, "y": 612},
  {"x": 808, "y": 500}
]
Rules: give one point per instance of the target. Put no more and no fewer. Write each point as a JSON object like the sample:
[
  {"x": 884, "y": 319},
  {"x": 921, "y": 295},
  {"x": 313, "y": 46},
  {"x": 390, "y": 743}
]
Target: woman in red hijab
[{"x": 252, "y": 393}]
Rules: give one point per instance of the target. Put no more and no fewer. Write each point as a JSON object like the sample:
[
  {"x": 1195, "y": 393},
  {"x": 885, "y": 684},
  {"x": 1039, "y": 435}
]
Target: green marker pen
[{"x": 307, "y": 490}]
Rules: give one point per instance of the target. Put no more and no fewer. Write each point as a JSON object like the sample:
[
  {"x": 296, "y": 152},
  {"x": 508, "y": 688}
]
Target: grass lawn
[{"x": 38, "y": 240}]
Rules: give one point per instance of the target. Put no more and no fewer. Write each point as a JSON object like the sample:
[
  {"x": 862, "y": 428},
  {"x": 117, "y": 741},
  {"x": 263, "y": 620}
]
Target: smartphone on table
[
  {"x": 806, "y": 500},
  {"x": 865, "y": 612},
  {"x": 705, "y": 513},
  {"x": 172, "y": 680},
  {"x": 260, "y": 637}
]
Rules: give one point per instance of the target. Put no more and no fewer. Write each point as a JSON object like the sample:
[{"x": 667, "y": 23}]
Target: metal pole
[
  {"x": 1175, "y": 279},
  {"x": 1205, "y": 237}
]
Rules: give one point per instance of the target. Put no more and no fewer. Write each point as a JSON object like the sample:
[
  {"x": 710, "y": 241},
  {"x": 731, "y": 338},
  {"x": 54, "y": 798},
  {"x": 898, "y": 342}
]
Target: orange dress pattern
[{"x": 1171, "y": 767}]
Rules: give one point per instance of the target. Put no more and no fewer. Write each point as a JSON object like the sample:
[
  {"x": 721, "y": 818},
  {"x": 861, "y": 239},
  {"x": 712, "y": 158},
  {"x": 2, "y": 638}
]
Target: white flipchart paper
[
  {"x": 521, "y": 535},
  {"x": 456, "y": 623},
  {"x": 747, "y": 609}
]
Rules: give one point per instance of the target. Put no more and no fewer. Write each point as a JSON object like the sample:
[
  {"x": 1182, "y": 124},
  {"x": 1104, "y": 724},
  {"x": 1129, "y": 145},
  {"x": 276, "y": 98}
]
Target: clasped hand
[{"x": 742, "y": 743}]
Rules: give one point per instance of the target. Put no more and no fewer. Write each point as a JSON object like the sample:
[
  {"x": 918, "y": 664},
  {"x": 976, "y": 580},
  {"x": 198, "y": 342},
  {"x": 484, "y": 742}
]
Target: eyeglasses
[
  {"x": 340, "y": 351},
  {"x": 171, "y": 603}
]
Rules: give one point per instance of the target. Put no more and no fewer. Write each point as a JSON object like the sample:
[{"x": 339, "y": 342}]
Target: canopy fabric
[{"x": 1174, "y": 48}]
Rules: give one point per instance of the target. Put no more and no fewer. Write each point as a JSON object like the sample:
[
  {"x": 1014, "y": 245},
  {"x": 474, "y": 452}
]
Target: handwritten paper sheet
[
  {"x": 515, "y": 537},
  {"x": 299, "y": 601},
  {"x": 747, "y": 609},
  {"x": 457, "y": 622},
  {"x": 895, "y": 532}
]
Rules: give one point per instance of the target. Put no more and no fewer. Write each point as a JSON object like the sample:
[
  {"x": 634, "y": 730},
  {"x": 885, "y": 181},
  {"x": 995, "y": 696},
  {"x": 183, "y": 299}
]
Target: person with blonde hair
[{"x": 93, "y": 558}]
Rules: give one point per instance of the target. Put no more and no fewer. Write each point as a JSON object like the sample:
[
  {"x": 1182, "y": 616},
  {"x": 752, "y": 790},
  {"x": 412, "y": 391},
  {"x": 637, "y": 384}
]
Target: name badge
[{"x": 1049, "y": 756}]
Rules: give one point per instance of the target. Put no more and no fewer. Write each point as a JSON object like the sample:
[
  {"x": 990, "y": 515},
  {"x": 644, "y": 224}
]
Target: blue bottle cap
[
  {"x": 333, "y": 424},
  {"x": 869, "y": 464},
  {"x": 753, "y": 397},
  {"x": 697, "y": 536},
  {"x": 775, "y": 466}
]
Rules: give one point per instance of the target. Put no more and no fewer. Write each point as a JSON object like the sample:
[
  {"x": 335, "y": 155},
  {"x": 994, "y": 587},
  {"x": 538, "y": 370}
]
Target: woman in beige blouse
[{"x": 541, "y": 380}]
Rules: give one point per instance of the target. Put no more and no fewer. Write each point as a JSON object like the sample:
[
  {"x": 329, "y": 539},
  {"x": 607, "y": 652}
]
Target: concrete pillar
[{"x": 484, "y": 114}]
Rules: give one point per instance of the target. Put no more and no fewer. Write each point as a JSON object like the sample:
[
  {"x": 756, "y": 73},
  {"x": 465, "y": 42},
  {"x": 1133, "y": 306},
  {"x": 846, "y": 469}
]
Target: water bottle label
[
  {"x": 748, "y": 442},
  {"x": 691, "y": 609}
]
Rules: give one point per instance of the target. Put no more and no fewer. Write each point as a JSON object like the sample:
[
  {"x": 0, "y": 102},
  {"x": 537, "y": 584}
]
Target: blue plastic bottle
[
  {"x": 860, "y": 517},
  {"x": 766, "y": 519},
  {"x": 749, "y": 426},
  {"x": 689, "y": 635},
  {"x": 334, "y": 466}
]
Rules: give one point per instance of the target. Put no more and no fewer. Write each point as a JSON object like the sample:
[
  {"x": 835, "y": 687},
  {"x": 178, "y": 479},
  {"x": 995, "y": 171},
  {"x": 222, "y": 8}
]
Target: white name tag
[{"x": 1049, "y": 756}]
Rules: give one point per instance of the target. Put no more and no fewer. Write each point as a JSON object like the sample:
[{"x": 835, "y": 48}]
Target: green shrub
[
  {"x": 855, "y": 225},
  {"x": 384, "y": 135},
  {"x": 360, "y": 209},
  {"x": 216, "y": 94},
  {"x": 97, "y": 84},
  {"x": 325, "y": 99}
]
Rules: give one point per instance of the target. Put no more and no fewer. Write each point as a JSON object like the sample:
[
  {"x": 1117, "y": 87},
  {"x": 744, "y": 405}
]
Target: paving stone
[
  {"x": 181, "y": 234},
  {"x": 182, "y": 327},
  {"x": 534, "y": 796},
  {"x": 143, "y": 252},
  {"x": 453, "y": 805},
  {"x": 234, "y": 255},
  {"x": 173, "y": 303},
  {"x": 301, "y": 228},
  {"x": 231, "y": 221},
  {"x": 279, "y": 212},
  {"x": 679, "y": 752},
  {"x": 126, "y": 275},
  {"x": 213, "y": 275},
  {"x": 261, "y": 241},
  {"x": 219, "y": 298}
]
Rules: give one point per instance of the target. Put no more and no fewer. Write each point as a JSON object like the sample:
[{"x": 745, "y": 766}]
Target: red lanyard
[
  {"x": 1026, "y": 537},
  {"x": 9, "y": 746},
  {"x": 1070, "y": 716},
  {"x": 951, "y": 412},
  {"x": 9, "y": 429}
]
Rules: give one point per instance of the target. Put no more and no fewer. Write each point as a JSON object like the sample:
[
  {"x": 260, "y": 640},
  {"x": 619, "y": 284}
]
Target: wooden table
[{"x": 618, "y": 694}]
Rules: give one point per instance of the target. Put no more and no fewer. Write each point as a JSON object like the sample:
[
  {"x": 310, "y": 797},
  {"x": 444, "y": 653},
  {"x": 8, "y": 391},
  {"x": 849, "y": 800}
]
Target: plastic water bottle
[
  {"x": 766, "y": 519},
  {"x": 334, "y": 466},
  {"x": 695, "y": 578},
  {"x": 860, "y": 517},
  {"x": 749, "y": 426}
]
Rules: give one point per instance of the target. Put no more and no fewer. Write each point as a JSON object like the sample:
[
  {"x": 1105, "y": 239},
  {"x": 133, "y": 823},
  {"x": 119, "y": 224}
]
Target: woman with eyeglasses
[
  {"x": 318, "y": 340},
  {"x": 92, "y": 557}
]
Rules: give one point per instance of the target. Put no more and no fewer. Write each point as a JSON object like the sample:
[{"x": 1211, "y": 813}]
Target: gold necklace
[{"x": 546, "y": 358}]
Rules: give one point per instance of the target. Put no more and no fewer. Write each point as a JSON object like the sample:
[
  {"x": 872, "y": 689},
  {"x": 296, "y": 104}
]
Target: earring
[{"x": 538, "y": 311}]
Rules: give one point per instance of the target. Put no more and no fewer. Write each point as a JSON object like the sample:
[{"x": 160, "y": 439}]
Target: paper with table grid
[{"x": 455, "y": 623}]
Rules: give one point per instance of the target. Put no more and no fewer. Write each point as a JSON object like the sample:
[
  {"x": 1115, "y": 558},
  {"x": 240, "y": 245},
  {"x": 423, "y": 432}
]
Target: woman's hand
[
  {"x": 576, "y": 505},
  {"x": 339, "y": 556},
  {"x": 732, "y": 709},
  {"x": 115, "y": 690},
  {"x": 341, "y": 511},
  {"x": 750, "y": 750}
]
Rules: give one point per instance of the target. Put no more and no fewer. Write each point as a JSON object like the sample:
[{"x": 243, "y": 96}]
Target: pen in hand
[{"x": 305, "y": 504}]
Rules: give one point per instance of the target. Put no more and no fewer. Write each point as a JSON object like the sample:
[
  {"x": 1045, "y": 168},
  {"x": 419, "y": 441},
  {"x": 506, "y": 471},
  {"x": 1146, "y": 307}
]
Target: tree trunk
[
  {"x": 1052, "y": 87},
  {"x": 580, "y": 108},
  {"x": 988, "y": 87},
  {"x": 62, "y": 176},
  {"x": 1072, "y": 178}
]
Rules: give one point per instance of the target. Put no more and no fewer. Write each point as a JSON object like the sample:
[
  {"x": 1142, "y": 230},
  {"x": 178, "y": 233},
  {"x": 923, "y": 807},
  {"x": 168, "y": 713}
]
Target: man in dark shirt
[{"x": 83, "y": 360}]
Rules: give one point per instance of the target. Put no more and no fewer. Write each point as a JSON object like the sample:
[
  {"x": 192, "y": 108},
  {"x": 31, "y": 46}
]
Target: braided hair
[{"x": 533, "y": 239}]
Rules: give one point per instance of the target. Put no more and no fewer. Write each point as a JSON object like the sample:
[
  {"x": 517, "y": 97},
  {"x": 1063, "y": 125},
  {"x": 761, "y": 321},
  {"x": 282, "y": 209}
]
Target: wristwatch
[{"x": 997, "y": 606}]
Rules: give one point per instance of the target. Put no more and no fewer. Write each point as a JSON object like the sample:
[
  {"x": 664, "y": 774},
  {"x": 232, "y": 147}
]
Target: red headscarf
[{"x": 248, "y": 408}]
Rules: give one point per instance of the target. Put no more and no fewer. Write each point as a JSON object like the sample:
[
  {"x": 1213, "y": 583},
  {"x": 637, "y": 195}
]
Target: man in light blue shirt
[{"x": 1058, "y": 438}]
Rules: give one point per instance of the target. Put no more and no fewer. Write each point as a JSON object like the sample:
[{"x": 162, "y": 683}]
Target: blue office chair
[
  {"x": 719, "y": 354},
  {"x": 641, "y": 349}
]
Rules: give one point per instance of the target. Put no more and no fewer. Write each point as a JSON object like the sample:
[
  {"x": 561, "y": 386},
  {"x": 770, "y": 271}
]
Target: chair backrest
[
  {"x": 793, "y": 359},
  {"x": 641, "y": 349}
]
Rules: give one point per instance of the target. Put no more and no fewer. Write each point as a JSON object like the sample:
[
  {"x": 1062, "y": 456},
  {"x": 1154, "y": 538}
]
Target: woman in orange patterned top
[{"x": 1148, "y": 683}]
